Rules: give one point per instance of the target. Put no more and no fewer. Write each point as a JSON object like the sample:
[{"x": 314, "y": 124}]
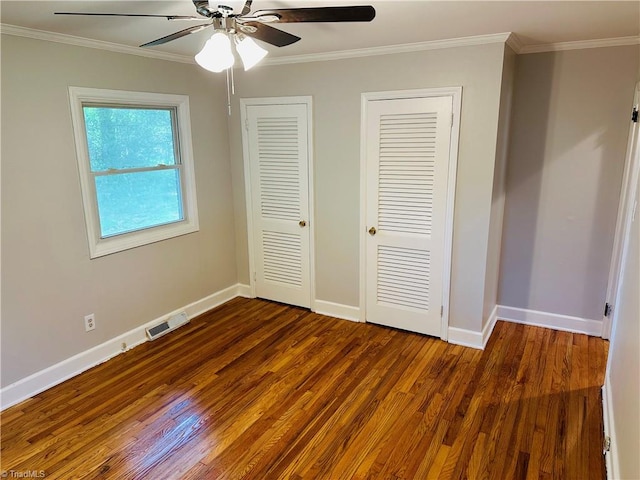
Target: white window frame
[{"x": 98, "y": 246}]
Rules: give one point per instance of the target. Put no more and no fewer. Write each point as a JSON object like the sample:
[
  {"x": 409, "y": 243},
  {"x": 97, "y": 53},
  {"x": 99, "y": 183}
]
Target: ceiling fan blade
[
  {"x": 168, "y": 17},
  {"x": 247, "y": 7},
  {"x": 177, "y": 35},
  {"x": 268, "y": 34},
  {"x": 359, "y": 13}
]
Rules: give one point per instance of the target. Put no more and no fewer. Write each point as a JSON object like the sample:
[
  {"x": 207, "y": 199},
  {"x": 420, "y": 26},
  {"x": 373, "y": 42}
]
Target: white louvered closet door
[
  {"x": 279, "y": 163},
  {"x": 408, "y": 142}
]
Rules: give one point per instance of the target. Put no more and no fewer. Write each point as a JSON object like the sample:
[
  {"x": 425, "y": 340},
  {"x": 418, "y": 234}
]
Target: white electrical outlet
[{"x": 89, "y": 322}]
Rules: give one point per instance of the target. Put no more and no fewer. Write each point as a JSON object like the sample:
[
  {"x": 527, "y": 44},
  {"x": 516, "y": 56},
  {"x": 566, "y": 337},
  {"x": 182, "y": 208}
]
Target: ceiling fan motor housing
[{"x": 224, "y": 10}]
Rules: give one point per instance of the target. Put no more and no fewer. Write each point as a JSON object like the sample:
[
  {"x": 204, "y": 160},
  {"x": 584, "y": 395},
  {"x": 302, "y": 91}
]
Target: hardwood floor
[{"x": 260, "y": 390}]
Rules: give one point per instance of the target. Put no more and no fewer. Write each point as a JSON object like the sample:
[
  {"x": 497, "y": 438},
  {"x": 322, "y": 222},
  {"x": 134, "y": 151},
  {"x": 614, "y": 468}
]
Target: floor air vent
[{"x": 167, "y": 326}]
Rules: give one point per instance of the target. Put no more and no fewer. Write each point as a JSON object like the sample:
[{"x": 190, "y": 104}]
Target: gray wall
[
  {"x": 336, "y": 87},
  {"x": 492, "y": 275},
  {"x": 568, "y": 138},
  {"x": 570, "y": 112},
  {"x": 48, "y": 281}
]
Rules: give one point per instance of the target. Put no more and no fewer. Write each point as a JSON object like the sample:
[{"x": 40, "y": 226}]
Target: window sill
[{"x": 108, "y": 246}]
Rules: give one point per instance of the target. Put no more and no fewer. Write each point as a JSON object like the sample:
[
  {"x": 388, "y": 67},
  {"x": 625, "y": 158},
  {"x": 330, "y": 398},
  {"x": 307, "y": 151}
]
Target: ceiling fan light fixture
[
  {"x": 250, "y": 52},
  {"x": 216, "y": 55}
]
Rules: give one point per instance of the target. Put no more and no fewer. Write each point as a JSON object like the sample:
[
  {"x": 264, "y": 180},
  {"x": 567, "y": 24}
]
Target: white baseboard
[
  {"x": 611, "y": 457},
  {"x": 244, "y": 291},
  {"x": 471, "y": 338},
  {"x": 345, "y": 312},
  {"x": 58, "y": 373},
  {"x": 550, "y": 320},
  {"x": 51, "y": 376},
  {"x": 475, "y": 339},
  {"x": 207, "y": 303},
  {"x": 489, "y": 326},
  {"x": 466, "y": 338}
]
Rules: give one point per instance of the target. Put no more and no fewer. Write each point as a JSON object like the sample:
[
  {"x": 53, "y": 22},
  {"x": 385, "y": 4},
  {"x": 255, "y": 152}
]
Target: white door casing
[
  {"x": 623, "y": 221},
  {"x": 409, "y": 150},
  {"x": 277, "y": 155}
]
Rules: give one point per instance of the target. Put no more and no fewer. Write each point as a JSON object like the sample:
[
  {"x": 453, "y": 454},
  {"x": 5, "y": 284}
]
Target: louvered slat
[
  {"x": 282, "y": 257},
  {"x": 406, "y": 172},
  {"x": 279, "y": 167},
  {"x": 403, "y": 277}
]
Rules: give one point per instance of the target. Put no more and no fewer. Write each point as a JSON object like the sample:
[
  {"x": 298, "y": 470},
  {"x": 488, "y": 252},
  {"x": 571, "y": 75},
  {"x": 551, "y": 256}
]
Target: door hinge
[
  {"x": 441, "y": 310},
  {"x": 606, "y": 444},
  {"x": 634, "y": 115},
  {"x": 608, "y": 308},
  {"x": 246, "y": 124},
  {"x": 255, "y": 277}
]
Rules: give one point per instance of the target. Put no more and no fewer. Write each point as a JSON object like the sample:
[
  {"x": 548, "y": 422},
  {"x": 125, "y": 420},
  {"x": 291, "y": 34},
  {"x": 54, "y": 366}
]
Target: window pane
[
  {"x": 121, "y": 138},
  {"x": 133, "y": 201}
]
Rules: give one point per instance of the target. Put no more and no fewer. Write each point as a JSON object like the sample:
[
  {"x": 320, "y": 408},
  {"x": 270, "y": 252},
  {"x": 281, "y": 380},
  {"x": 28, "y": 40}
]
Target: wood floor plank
[
  {"x": 514, "y": 445},
  {"x": 435, "y": 446},
  {"x": 435, "y": 472},
  {"x": 261, "y": 390},
  {"x": 374, "y": 390},
  {"x": 342, "y": 364}
]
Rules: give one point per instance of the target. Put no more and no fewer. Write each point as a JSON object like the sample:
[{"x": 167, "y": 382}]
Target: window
[{"x": 136, "y": 167}]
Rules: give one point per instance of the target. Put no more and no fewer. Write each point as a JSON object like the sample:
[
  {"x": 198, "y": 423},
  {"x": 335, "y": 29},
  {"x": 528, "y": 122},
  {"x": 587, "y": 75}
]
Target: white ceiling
[{"x": 396, "y": 23}]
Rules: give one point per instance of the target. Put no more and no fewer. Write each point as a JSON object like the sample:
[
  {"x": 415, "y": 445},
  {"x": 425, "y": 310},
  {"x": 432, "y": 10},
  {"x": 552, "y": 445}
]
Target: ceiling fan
[
  {"x": 241, "y": 28},
  {"x": 253, "y": 25}
]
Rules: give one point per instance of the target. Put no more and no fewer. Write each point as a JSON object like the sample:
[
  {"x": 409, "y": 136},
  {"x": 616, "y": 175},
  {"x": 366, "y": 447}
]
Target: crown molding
[
  {"x": 313, "y": 57},
  {"x": 89, "y": 43},
  {"x": 579, "y": 45},
  {"x": 391, "y": 49},
  {"x": 515, "y": 43},
  {"x": 510, "y": 39}
]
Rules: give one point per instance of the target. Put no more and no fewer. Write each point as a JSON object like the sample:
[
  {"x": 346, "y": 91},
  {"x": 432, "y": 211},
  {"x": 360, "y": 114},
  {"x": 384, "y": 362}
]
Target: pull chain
[
  {"x": 229, "y": 86},
  {"x": 233, "y": 82}
]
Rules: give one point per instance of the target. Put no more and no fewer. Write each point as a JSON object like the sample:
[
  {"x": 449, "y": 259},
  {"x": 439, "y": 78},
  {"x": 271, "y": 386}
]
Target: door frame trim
[
  {"x": 624, "y": 217},
  {"x": 456, "y": 97},
  {"x": 293, "y": 100}
]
